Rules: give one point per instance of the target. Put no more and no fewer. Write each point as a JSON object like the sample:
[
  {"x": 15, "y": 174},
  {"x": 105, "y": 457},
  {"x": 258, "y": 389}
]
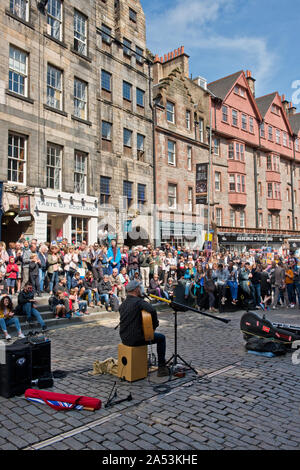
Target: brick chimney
[
  {"x": 291, "y": 109},
  {"x": 251, "y": 82},
  {"x": 164, "y": 65},
  {"x": 285, "y": 103}
]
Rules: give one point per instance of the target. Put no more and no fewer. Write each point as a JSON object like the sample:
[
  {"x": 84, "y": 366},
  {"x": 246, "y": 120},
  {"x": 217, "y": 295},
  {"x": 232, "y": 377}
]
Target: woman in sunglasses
[{"x": 8, "y": 318}]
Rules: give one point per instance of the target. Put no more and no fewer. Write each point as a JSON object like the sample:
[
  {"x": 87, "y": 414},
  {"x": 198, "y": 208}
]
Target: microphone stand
[{"x": 182, "y": 308}]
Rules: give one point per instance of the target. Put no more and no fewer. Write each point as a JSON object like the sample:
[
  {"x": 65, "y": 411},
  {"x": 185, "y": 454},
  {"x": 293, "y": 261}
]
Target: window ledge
[
  {"x": 83, "y": 121},
  {"x": 58, "y": 111},
  {"x": 16, "y": 17},
  {"x": 82, "y": 56},
  {"x": 20, "y": 97},
  {"x": 60, "y": 43}
]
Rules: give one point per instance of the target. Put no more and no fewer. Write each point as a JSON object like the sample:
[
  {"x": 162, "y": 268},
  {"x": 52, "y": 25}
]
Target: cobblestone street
[{"x": 238, "y": 401}]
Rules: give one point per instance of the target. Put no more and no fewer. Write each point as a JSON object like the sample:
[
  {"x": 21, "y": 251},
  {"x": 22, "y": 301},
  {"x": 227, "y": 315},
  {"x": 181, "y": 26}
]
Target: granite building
[{"x": 76, "y": 123}]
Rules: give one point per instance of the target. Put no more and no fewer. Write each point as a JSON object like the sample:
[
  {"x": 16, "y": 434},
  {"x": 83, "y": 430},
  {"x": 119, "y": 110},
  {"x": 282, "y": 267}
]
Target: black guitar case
[{"x": 252, "y": 325}]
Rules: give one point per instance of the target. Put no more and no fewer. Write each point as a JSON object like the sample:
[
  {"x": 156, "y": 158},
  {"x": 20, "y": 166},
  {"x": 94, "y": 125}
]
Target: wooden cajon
[{"x": 132, "y": 362}]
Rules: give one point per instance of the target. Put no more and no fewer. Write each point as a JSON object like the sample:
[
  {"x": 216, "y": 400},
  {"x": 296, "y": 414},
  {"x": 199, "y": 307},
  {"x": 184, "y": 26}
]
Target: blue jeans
[
  {"x": 9, "y": 322},
  {"x": 42, "y": 275},
  {"x": 160, "y": 340},
  {"x": 29, "y": 311},
  {"x": 233, "y": 285},
  {"x": 82, "y": 305},
  {"x": 69, "y": 277},
  {"x": 255, "y": 289},
  {"x": 187, "y": 287},
  {"x": 132, "y": 273},
  {"x": 106, "y": 298},
  {"x": 53, "y": 280},
  {"x": 297, "y": 291},
  {"x": 291, "y": 293},
  {"x": 90, "y": 295}
]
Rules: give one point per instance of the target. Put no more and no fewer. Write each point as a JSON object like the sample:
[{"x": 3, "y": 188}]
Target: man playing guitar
[{"x": 131, "y": 325}]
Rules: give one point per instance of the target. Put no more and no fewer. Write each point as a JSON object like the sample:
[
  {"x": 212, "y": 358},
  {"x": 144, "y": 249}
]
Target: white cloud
[{"x": 193, "y": 24}]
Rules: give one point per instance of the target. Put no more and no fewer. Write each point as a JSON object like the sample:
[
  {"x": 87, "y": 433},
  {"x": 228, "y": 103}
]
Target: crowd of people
[{"x": 78, "y": 276}]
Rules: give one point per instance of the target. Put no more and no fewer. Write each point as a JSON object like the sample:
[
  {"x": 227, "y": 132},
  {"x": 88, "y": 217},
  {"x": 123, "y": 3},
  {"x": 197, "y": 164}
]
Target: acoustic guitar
[{"x": 147, "y": 326}]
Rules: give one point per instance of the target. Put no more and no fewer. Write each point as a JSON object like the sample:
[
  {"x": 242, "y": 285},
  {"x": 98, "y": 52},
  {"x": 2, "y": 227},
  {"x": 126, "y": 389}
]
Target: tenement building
[
  {"x": 76, "y": 123},
  {"x": 255, "y": 165},
  {"x": 181, "y": 107}
]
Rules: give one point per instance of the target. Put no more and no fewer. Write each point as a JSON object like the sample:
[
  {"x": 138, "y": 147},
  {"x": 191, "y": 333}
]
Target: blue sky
[{"x": 224, "y": 36}]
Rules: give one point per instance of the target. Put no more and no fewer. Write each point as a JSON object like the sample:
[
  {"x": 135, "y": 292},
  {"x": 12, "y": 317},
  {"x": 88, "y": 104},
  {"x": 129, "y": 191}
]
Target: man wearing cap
[{"x": 131, "y": 329}]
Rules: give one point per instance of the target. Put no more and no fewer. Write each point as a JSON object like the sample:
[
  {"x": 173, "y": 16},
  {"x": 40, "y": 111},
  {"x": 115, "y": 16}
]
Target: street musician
[{"x": 131, "y": 325}]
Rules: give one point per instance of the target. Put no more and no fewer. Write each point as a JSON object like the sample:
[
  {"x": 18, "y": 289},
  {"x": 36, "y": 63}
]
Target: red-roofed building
[{"x": 254, "y": 189}]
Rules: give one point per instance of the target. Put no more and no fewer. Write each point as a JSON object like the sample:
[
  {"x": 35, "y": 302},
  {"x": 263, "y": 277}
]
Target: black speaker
[
  {"x": 15, "y": 370},
  {"x": 40, "y": 355},
  {"x": 41, "y": 358}
]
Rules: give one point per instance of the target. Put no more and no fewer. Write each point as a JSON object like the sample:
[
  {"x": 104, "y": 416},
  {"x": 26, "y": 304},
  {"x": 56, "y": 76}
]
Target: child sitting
[{"x": 75, "y": 306}]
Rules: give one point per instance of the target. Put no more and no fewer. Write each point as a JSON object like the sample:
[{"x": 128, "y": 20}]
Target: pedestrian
[
  {"x": 12, "y": 270},
  {"x": 34, "y": 275},
  {"x": 54, "y": 262},
  {"x": 289, "y": 282},
  {"x": 210, "y": 289},
  {"x": 279, "y": 282},
  {"x": 144, "y": 262},
  {"x": 42, "y": 254},
  {"x": 71, "y": 262},
  {"x": 114, "y": 256}
]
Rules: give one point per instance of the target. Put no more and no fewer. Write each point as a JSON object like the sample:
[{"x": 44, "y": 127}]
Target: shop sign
[
  {"x": 244, "y": 237},
  {"x": 66, "y": 207}
]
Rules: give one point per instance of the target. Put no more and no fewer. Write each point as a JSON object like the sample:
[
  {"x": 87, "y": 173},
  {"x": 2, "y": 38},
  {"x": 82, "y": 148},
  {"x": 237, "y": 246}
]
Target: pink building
[{"x": 255, "y": 164}]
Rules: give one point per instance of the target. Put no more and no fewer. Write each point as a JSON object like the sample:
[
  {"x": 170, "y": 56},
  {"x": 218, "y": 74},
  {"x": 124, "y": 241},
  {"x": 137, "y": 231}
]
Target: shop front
[
  {"x": 17, "y": 220},
  {"x": 242, "y": 242},
  {"x": 65, "y": 215},
  {"x": 190, "y": 235}
]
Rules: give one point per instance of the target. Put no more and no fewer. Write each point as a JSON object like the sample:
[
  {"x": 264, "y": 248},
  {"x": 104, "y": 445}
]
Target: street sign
[{"x": 26, "y": 218}]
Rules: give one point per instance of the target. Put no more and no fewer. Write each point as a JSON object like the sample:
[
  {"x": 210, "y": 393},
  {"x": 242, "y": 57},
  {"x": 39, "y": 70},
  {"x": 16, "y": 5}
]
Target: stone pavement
[{"x": 238, "y": 400}]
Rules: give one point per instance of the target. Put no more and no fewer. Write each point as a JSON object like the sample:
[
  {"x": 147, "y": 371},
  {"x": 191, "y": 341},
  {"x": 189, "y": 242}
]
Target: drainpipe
[
  {"x": 153, "y": 109},
  {"x": 292, "y": 185},
  {"x": 255, "y": 189}
]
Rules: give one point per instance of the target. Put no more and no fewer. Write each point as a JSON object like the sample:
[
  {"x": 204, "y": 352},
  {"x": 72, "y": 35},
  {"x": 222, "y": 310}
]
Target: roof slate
[{"x": 221, "y": 87}]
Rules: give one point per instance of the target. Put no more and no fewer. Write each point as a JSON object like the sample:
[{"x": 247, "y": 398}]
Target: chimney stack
[
  {"x": 176, "y": 58},
  {"x": 251, "y": 82},
  {"x": 285, "y": 104},
  {"x": 291, "y": 109}
]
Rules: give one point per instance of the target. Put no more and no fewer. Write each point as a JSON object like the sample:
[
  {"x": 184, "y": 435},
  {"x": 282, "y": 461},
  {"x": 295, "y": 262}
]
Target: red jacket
[{"x": 12, "y": 270}]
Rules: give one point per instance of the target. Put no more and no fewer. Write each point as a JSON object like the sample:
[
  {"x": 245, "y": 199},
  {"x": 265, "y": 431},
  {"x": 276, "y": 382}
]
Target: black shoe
[
  {"x": 44, "y": 328},
  {"x": 163, "y": 371}
]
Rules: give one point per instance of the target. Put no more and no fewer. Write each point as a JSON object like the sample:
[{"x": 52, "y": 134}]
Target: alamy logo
[
  {"x": 296, "y": 354},
  {"x": 296, "y": 94}
]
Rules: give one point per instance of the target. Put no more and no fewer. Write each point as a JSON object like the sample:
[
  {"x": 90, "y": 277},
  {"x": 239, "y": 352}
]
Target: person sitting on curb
[
  {"x": 27, "y": 306},
  {"x": 77, "y": 307},
  {"x": 105, "y": 291},
  {"x": 90, "y": 286},
  {"x": 8, "y": 318}
]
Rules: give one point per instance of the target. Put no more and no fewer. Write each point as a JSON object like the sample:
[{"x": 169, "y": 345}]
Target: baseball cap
[{"x": 132, "y": 285}]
